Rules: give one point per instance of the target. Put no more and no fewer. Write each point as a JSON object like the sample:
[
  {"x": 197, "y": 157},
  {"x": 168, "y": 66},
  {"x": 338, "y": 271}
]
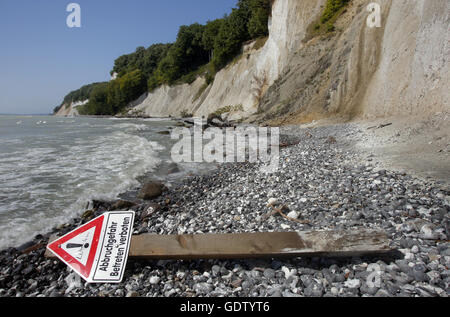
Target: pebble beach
[{"x": 321, "y": 181}]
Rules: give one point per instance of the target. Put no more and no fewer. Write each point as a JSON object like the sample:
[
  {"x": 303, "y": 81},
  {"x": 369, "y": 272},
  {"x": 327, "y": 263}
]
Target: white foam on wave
[{"x": 42, "y": 187}]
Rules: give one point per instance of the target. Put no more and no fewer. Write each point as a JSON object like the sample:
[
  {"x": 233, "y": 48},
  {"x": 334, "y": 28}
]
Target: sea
[{"x": 52, "y": 167}]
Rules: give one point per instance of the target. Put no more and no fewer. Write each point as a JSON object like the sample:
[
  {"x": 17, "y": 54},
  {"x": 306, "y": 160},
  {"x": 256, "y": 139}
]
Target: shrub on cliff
[{"x": 331, "y": 8}]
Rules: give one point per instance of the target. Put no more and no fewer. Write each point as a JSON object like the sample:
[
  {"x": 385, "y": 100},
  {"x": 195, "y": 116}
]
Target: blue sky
[{"x": 41, "y": 59}]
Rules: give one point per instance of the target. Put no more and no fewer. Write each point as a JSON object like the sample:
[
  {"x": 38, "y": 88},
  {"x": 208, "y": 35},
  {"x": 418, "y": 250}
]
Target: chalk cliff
[
  {"x": 70, "y": 110},
  {"x": 244, "y": 81},
  {"x": 399, "y": 68}
]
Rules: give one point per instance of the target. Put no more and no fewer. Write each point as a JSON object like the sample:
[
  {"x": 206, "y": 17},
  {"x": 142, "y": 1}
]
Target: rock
[
  {"x": 247, "y": 285},
  {"x": 119, "y": 293},
  {"x": 418, "y": 272},
  {"x": 202, "y": 288},
  {"x": 407, "y": 243},
  {"x": 289, "y": 294},
  {"x": 180, "y": 275},
  {"x": 236, "y": 283},
  {"x": 293, "y": 215},
  {"x": 269, "y": 274},
  {"x": 122, "y": 205},
  {"x": 334, "y": 291},
  {"x": 272, "y": 202},
  {"x": 339, "y": 278},
  {"x": 173, "y": 169},
  {"x": 331, "y": 140},
  {"x": 428, "y": 233},
  {"x": 445, "y": 252},
  {"x": 365, "y": 289},
  {"x": 132, "y": 294},
  {"x": 276, "y": 265},
  {"x": 154, "y": 280},
  {"x": 404, "y": 267},
  {"x": 307, "y": 280},
  {"x": 28, "y": 270},
  {"x": 73, "y": 281},
  {"x": 26, "y": 246},
  {"x": 288, "y": 273},
  {"x": 314, "y": 290},
  {"x": 150, "y": 210},
  {"x": 87, "y": 214},
  {"x": 382, "y": 293},
  {"x": 101, "y": 205},
  {"x": 353, "y": 283},
  {"x": 151, "y": 191}
]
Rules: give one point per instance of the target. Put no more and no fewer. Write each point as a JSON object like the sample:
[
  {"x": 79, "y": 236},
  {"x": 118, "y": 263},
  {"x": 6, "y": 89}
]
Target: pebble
[
  {"x": 154, "y": 280},
  {"x": 334, "y": 187},
  {"x": 356, "y": 283}
]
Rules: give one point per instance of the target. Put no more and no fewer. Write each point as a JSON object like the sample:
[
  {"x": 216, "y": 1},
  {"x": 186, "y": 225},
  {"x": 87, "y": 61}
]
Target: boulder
[
  {"x": 150, "y": 210},
  {"x": 151, "y": 191},
  {"x": 122, "y": 205},
  {"x": 88, "y": 214}
]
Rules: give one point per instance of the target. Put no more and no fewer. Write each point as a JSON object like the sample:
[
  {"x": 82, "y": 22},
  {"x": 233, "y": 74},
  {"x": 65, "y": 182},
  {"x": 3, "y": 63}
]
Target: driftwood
[
  {"x": 255, "y": 245},
  {"x": 280, "y": 212},
  {"x": 288, "y": 144},
  {"x": 381, "y": 126}
]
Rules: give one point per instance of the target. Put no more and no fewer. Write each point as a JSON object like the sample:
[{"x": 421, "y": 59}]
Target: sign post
[{"x": 98, "y": 250}]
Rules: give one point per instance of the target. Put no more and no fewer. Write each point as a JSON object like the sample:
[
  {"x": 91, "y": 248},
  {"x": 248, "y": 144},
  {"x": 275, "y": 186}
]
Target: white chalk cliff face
[
  {"x": 242, "y": 82},
  {"x": 400, "y": 68},
  {"x": 70, "y": 110}
]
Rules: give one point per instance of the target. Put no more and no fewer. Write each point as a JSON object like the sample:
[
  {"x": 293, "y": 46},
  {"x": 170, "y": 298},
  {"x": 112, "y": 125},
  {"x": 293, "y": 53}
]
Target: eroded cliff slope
[{"x": 398, "y": 68}]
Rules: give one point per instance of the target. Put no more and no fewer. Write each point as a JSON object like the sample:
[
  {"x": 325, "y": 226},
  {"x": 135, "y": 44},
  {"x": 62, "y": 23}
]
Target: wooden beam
[{"x": 254, "y": 245}]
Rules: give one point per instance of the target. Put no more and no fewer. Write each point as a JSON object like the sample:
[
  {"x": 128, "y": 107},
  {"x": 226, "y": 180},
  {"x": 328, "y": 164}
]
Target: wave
[{"x": 45, "y": 185}]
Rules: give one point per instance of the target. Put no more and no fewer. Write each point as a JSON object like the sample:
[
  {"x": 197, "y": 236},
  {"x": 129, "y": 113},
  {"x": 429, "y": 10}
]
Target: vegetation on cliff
[
  {"x": 325, "y": 23},
  {"x": 198, "y": 50},
  {"x": 77, "y": 95}
]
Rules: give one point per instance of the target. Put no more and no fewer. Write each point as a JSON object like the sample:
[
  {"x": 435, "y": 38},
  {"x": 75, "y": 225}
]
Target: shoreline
[{"x": 323, "y": 179}]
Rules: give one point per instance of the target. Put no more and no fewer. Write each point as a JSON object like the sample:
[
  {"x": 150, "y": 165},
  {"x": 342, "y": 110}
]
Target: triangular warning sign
[{"x": 78, "y": 248}]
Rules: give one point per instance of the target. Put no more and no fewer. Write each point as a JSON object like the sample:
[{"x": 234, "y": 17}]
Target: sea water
[{"x": 51, "y": 167}]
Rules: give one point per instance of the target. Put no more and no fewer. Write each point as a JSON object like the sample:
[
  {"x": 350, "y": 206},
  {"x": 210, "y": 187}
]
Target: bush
[{"x": 331, "y": 8}]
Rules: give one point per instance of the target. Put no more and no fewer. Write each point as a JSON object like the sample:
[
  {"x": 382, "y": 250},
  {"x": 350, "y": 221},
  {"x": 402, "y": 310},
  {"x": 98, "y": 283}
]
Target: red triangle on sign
[{"x": 78, "y": 248}]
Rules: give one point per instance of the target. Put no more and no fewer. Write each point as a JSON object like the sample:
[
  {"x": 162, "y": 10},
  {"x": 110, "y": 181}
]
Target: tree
[
  {"x": 185, "y": 55},
  {"x": 97, "y": 104},
  {"x": 259, "y": 20},
  {"x": 198, "y": 50},
  {"x": 125, "y": 89},
  {"x": 232, "y": 33},
  {"x": 210, "y": 33}
]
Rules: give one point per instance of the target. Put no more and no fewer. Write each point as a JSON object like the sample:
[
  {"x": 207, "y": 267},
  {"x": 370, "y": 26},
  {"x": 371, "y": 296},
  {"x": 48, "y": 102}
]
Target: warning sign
[{"x": 98, "y": 250}]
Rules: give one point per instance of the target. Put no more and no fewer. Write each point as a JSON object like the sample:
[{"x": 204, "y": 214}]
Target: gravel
[{"x": 329, "y": 184}]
